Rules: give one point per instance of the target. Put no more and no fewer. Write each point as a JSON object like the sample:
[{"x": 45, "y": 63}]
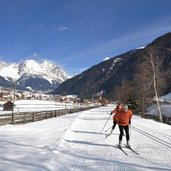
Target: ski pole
[
  {"x": 130, "y": 129},
  {"x": 105, "y": 124},
  {"x": 108, "y": 128},
  {"x": 108, "y": 112}
]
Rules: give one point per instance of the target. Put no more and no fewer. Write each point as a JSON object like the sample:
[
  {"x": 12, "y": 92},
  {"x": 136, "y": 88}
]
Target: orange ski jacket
[{"x": 123, "y": 118}]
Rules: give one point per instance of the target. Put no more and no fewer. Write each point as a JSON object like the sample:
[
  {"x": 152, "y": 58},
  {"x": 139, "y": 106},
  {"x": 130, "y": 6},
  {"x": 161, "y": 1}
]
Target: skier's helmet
[{"x": 125, "y": 108}]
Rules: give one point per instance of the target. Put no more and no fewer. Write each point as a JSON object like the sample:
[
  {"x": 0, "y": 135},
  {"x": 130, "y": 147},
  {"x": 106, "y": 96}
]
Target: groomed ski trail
[{"x": 84, "y": 147}]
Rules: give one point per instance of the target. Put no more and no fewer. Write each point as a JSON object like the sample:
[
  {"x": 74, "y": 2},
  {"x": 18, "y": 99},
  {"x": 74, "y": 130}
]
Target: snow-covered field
[
  {"x": 165, "y": 108},
  {"x": 75, "y": 143},
  {"x": 166, "y": 97},
  {"x": 37, "y": 105}
]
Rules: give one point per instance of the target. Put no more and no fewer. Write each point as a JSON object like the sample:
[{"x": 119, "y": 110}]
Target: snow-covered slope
[
  {"x": 166, "y": 97},
  {"x": 46, "y": 69},
  {"x": 165, "y": 106},
  {"x": 9, "y": 70},
  {"x": 75, "y": 142},
  {"x": 50, "y": 74}
]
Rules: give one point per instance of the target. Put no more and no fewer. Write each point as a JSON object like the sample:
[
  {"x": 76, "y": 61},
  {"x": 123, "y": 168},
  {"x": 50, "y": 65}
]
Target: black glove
[
  {"x": 129, "y": 122},
  {"x": 114, "y": 122}
]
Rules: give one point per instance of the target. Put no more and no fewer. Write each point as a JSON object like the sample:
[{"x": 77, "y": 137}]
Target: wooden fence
[{"x": 25, "y": 117}]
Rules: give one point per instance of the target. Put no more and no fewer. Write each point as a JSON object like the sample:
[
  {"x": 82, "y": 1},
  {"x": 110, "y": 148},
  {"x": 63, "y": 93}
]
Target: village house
[{"x": 8, "y": 106}]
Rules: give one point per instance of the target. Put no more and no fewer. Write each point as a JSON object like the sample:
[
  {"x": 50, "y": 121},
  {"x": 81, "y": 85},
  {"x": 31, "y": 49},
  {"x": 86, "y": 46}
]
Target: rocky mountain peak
[{"x": 51, "y": 73}]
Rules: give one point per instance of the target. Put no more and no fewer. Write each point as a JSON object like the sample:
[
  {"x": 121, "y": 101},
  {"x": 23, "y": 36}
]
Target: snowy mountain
[
  {"x": 44, "y": 76},
  {"x": 46, "y": 69},
  {"x": 9, "y": 70}
]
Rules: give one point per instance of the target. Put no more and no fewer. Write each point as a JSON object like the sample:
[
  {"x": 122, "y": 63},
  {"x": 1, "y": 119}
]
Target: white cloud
[
  {"x": 64, "y": 28},
  {"x": 128, "y": 41},
  {"x": 122, "y": 44},
  {"x": 34, "y": 54}
]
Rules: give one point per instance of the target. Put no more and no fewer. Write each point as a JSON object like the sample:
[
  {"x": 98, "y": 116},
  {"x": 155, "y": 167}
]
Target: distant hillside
[
  {"x": 4, "y": 83},
  {"x": 109, "y": 74}
]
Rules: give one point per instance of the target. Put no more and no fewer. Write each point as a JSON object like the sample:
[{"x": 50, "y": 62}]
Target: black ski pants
[
  {"x": 121, "y": 129},
  {"x": 114, "y": 124}
]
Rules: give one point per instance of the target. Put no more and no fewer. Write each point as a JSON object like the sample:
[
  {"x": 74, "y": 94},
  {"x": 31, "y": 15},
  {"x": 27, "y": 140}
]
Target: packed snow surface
[{"x": 76, "y": 142}]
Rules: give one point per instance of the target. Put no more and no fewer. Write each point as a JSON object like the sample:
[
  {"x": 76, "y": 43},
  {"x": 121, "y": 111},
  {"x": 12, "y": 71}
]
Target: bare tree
[
  {"x": 124, "y": 91},
  {"x": 143, "y": 83},
  {"x": 150, "y": 79},
  {"x": 155, "y": 81}
]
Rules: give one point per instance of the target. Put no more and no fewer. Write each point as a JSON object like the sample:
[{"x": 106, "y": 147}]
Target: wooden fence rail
[{"x": 26, "y": 117}]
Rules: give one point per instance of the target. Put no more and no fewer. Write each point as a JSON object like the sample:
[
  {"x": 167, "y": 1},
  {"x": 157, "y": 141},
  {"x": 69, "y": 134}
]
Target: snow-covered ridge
[
  {"x": 142, "y": 47},
  {"x": 9, "y": 70},
  {"x": 46, "y": 70},
  {"x": 116, "y": 60}
]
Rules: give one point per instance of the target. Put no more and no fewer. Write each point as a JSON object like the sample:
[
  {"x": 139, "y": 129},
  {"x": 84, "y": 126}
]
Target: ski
[
  {"x": 131, "y": 149},
  {"x": 107, "y": 135},
  {"x": 121, "y": 149}
]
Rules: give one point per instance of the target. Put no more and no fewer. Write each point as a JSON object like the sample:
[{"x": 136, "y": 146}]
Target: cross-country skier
[
  {"x": 124, "y": 120},
  {"x": 118, "y": 108}
]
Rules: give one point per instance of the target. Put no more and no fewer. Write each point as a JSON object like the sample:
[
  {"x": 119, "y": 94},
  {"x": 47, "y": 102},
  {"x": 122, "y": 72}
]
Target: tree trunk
[{"x": 155, "y": 88}]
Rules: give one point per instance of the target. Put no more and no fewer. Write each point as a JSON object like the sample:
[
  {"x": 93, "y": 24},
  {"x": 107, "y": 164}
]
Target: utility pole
[{"x": 13, "y": 114}]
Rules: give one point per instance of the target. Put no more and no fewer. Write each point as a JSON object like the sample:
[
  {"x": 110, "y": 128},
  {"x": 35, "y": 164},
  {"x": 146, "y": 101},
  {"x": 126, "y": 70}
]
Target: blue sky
[{"x": 77, "y": 34}]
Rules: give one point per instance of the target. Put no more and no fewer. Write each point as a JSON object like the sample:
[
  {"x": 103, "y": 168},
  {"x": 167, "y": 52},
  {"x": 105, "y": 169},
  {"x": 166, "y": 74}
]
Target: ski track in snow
[
  {"x": 89, "y": 150},
  {"x": 75, "y": 143}
]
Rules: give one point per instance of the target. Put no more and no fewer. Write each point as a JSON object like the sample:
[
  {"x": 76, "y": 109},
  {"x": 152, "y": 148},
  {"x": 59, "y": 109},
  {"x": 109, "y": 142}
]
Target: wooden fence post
[
  {"x": 51, "y": 114},
  {"x": 24, "y": 119},
  {"x": 33, "y": 116}
]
